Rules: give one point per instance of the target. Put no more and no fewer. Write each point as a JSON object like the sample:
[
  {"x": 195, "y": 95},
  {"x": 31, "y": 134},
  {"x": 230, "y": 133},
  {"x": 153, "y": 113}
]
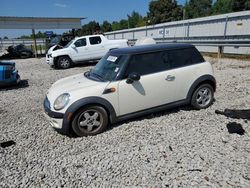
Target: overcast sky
[{"x": 98, "y": 10}]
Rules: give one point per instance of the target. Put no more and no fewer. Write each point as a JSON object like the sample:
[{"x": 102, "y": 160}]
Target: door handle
[{"x": 170, "y": 78}]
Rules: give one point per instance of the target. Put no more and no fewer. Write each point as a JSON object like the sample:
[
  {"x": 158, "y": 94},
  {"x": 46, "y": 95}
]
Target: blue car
[{"x": 8, "y": 74}]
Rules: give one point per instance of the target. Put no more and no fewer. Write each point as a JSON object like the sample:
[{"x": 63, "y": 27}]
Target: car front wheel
[
  {"x": 90, "y": 121},
  {"x": 64, "y": 62},
  {"x": 203, "y": 96}
]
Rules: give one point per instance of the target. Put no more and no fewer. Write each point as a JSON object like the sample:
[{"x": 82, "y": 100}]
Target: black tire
[
  {"x": 202, "y": 97},
  {"x": 85, "y": 122},
  {"x": 63, "y": 62},
  {"x": 24, "y": 55}
]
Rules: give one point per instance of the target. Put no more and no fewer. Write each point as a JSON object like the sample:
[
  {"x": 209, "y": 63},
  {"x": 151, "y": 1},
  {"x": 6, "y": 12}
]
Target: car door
[
  {"x": 186, "y": 63},
  {"x": 156, "y": 86},
  {"x": 79, "y": 50},
  {"x": 96, "y": 47}
]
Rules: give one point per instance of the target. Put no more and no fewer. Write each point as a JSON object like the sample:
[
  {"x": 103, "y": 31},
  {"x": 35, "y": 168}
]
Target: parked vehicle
[
  {"x": 82, "y": 49},
  {"x": 19, "y": 51},
  {"x": 8, "y": 74},
  {"x": 130, "y": 82}
]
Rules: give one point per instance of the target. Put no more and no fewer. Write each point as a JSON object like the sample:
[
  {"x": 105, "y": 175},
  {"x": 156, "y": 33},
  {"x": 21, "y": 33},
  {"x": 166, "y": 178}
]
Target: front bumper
[
  {"x": 54, "y": 122},
  {"x": 55, "y": 118},
  {"x": 60, "y": 121},
  {"x": 49, "y": 60}
]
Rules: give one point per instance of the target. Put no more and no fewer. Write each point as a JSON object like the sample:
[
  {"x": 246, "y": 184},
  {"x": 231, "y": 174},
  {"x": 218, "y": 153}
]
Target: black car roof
[{"x": 150, "y": 48}]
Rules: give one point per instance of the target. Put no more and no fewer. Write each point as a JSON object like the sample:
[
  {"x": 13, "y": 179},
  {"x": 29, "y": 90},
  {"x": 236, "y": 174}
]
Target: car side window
[
  {"x": 148, "y": 63},
  {"x": 95, "y": 40},
  {"x": 184, "y": 57},
  {"x": 81, "y": 42}
]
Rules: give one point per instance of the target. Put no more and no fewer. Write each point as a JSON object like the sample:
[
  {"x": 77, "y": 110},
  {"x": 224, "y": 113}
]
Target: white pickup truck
[{"x": 82, "y": 49}]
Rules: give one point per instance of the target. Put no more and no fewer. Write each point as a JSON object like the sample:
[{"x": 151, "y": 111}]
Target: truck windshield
[
  {"x": 55, "y": 39},
  {"x": 69, "y": 44},
  {"x": 108, "y": 67}
]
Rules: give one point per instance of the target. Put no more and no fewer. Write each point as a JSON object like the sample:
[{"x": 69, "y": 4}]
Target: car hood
[
  {"x": 73, "y": 83},
  {"x": 51, "y": 49},
  {"x": 55, "y": 48}
]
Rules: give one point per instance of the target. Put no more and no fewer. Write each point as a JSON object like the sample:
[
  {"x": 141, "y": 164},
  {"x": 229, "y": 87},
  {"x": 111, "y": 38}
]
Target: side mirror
[
  {"x": 133, "y": 77},
  {"x": 73, "y": 46}
]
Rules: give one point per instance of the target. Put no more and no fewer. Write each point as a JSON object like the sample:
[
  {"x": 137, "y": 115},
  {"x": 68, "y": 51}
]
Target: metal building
[
  {"x": 7, "y": 22},
  {"x": 230, "y": 31}
]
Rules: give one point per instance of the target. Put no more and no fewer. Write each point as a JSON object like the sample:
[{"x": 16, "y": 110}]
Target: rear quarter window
[{"x": 183, "y": 57}]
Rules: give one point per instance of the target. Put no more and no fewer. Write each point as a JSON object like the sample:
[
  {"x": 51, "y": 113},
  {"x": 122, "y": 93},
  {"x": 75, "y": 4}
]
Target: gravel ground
[{"x": 176, "y": 148}]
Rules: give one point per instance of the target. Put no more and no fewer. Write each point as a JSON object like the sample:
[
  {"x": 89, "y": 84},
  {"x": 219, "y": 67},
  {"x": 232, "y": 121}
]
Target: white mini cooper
[{"x": 130, "y": 82}]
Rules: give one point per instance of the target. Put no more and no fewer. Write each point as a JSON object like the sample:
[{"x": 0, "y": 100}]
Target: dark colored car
[
  {"x": 19, "y": 51},
  {"x": 8, "y": 74}
]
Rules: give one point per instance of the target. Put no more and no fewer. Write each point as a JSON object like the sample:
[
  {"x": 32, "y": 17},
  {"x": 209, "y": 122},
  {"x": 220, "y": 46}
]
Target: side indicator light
[{"x": 109, "y": 90}]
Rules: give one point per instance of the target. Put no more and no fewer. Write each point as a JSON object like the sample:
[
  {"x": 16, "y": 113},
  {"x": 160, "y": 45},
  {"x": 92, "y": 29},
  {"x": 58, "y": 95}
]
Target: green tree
[
  {"x": 222, "y": 6},
  {"x": 135, "y": 19},
  {"x": 116, "y": 26},
  {"x": 40, "y": 35},
  {"x": 164, "y": 11},
  {"x": 240, "y": 5},
  {"x": 106, "y": 26},
  {"x": 198, "y": 8},
  {"x": 247, "y": 5},
  {"x": 123, "y": 24},
  {"x": 227, "y": 6},
  {"x": 94, "y": 27}
]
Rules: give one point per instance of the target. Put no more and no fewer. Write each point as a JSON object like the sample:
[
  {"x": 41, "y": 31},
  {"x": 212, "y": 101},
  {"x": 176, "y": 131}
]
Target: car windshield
[
  {"x": 69, "y": 43},
  {"x": 55, "y": 40},
  {"x": 108, "y": 67}
]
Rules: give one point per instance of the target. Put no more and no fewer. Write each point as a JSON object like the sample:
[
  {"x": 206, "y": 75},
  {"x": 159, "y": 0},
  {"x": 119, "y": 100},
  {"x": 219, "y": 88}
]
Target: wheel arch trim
[
  {"x": 198, "y": 81},
  {"x": 65, "y": 55},
  {"x": 73, "y": 108}
]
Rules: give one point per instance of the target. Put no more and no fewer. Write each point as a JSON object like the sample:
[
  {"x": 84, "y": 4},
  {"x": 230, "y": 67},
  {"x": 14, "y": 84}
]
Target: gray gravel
[{"x": 176, "y": 148}]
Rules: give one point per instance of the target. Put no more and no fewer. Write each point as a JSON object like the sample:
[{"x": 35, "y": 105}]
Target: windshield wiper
[{"x": 97, "y": 76}]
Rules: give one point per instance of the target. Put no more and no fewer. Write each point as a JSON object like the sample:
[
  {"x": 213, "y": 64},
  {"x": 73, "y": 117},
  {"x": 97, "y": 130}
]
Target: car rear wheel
[
  {"x": 25, "y": 55},
  {"x": 64, "y": 62},
  {"x": 203, "y": 96},
  {"x": 90, "y": 121}
]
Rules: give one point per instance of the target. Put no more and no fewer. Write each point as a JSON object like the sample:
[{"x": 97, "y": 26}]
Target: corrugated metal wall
[{"x": 233, "y": 26}]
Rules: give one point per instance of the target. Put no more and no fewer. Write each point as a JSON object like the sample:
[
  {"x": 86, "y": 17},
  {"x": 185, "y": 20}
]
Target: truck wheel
[
  {"x": 90, "y": 121},
  {"x": 64, "y": 62},
  {"x": 24, "y": 55},
  {"x": 203, "y": 96}
]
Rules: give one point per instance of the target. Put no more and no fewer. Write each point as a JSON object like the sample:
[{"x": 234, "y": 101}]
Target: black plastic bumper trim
[{"x": 50, "y": 113}]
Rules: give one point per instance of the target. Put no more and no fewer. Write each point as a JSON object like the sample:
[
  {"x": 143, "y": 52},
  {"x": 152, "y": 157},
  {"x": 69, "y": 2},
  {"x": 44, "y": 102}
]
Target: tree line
[{"x": 161, "y": 11}]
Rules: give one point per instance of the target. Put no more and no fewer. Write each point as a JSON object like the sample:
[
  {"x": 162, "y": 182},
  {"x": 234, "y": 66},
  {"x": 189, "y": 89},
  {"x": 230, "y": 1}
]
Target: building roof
[{"x": 7, "y": 22}]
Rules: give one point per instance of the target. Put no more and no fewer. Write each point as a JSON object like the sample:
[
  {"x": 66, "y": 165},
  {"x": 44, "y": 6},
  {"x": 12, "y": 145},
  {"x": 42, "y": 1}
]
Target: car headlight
[{"x": 61, "y": 101}]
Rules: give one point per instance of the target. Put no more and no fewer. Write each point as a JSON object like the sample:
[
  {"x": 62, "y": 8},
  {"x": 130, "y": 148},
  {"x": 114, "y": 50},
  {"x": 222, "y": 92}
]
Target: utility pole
[
  {"x": 34, "y": 42},
  {"x": 183, "y": 18},
  {"x": 128, "y": 20}
]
